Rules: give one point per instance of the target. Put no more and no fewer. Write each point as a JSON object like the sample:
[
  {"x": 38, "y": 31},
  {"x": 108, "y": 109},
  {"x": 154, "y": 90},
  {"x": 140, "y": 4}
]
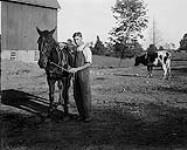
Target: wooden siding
[
  {"x": 19, "y": 25},
  {"x": 0, "y": 17},
  {"x": 3, "y": 25}
]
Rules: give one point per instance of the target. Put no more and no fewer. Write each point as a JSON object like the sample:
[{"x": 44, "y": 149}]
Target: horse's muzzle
[{"x": 42, "y": 65}]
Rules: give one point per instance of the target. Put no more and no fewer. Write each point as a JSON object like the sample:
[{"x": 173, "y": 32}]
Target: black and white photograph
[{"x": 93, "y": 75}]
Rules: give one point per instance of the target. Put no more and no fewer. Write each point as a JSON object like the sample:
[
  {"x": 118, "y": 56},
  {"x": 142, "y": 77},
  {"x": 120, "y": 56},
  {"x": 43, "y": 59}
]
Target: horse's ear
[
  {"x": 38, "y": 30},
  {"x": 52, "y": 31}
]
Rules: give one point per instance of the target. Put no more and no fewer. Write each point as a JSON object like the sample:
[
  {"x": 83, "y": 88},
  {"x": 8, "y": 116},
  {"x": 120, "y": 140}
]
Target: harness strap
[
  {"x": 59, "y": 56},
  {"x": 58, "y": 66}
]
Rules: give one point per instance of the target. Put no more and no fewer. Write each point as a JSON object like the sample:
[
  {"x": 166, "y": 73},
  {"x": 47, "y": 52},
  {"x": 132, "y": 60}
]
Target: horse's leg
[
  {"x": 60, "y": 88},
  {"x": 51, "y": 84},
  {"x": 65, "y": 94},
  {"x": 149, "y": 69}
]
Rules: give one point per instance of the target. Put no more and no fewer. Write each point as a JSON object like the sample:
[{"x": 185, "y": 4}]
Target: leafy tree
[
  {"x": 131, "y": 20},
  {"x": 129, "y": 50},
  {"x": 183, "y": 43},
  {"x": 99, "y": 48},
  {"x": 120, "y": 50},
  {"x": 136, "y": 48},
  {"x": 109, "y": 49}
]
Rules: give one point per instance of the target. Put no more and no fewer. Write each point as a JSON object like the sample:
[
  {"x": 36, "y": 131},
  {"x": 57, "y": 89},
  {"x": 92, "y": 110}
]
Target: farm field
[{"x": 130, "y": 111}]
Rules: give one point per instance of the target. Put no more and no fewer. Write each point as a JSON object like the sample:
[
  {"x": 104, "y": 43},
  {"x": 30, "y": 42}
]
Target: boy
[{"x": 82, "y": 90}]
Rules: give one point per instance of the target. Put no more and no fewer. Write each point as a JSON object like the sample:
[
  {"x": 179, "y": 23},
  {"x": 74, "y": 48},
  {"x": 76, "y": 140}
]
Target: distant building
[{"x": 19, "y": 19}]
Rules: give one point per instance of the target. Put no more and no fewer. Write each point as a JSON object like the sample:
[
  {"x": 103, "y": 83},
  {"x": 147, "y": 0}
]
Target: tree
[
  {"x": 120, "y": 49},
  {"x": 129, "y": 50},
  {"x": 109, "y": 46},
  {"x": 99, "y": 47},
  {"x": 183, "y": 43},
  {"x": 131, "y": 20},
  {"x": 136, "y": 48}
]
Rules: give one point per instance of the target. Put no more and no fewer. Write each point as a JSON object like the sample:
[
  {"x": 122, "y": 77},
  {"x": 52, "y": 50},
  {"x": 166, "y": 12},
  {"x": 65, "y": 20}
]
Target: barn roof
[{"x": 43, "y": 3}]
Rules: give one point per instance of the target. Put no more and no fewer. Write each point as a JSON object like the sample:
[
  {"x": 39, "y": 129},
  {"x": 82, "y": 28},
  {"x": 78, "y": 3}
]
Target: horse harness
[
  {"x": 59, "y": 61},
  {"x": 59, "y": 64}
]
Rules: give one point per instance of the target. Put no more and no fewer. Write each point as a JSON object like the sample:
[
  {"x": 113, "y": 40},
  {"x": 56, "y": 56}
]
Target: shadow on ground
[
  {"x": 24, "y": 101},
  {"x": 27, "y": 103}
]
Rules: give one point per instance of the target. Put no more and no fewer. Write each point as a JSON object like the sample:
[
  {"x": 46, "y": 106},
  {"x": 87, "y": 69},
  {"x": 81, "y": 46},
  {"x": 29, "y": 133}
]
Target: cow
[{"x": 156, "y": 59}]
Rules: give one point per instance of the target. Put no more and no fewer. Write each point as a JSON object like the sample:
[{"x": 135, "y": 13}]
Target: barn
[{"x": 19, "y": 19}]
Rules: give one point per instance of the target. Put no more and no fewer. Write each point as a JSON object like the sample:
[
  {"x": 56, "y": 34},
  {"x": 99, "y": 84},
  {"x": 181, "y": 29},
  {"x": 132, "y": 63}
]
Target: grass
[
  {"x": 101, "y": 62},
  {"x": 179, "y": 56}
]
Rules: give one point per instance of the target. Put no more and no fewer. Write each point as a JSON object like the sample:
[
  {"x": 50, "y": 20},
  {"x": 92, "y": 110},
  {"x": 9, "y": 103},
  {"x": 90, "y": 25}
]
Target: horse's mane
[{"x": 67, "y": 51}]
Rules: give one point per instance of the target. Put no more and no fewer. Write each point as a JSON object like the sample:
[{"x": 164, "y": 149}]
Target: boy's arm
[
  {"x": 88, "y": 61},
  {"x": 74, "y": 70}
]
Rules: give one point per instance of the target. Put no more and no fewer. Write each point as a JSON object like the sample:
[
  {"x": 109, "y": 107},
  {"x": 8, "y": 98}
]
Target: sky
[
  {"x": 170, "y": 22},
  {"x": 91, "y": 17},
  {"x": 94, "y": 17}
]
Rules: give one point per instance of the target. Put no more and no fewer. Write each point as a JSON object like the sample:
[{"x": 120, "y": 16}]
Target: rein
[
  {"x": 58, "y": 66},
  {"x": 59, "y": 62}
]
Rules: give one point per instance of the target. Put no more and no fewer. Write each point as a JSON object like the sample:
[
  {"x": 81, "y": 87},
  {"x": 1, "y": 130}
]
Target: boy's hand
[{"x": 73, "y": 70}]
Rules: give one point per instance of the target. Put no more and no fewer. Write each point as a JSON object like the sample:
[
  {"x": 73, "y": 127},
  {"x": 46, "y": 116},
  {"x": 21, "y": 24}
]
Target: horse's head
[{"x": 45, "y": 46}]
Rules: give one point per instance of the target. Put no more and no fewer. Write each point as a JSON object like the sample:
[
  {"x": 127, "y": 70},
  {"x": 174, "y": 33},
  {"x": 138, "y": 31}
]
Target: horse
[{"x": 55, "y": 62}]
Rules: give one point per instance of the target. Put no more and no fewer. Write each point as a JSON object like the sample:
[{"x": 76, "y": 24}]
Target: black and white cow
[{"x": 156, "y": 59}]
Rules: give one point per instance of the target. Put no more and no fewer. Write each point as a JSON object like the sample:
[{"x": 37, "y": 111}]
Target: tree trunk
[{"x": 120, "y": 61}]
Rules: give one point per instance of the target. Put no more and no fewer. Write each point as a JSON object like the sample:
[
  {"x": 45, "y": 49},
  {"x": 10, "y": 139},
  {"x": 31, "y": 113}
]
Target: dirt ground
[{"x": 129, "y": 111}]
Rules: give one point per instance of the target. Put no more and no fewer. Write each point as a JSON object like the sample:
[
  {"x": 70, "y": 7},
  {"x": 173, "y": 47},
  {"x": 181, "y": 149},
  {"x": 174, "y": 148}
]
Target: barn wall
[
  {"x": 0, "y": 17},
  {"x": 3, "y": 25},
  {"x": 19, "y": 25}
]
